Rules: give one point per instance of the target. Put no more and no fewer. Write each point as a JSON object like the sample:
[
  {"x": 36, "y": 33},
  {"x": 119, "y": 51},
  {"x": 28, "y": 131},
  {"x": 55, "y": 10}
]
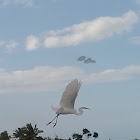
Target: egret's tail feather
[{"x": 54, "y": 108}]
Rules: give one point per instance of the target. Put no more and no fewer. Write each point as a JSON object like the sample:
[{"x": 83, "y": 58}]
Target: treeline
[{"x": 30, "y": 132}]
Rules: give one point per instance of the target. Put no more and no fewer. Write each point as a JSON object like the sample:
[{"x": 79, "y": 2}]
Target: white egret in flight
[{"x": 67, "y": 101}]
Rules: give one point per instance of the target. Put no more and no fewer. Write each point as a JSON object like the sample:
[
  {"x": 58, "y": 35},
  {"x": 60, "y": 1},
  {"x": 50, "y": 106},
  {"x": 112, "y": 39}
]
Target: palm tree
[
  {"x": 95, "y": 135},
  {"x": 87, "y": 133},
  {"x": 27, "y": 132},
  {"x": 77, "y": 136},
  {"x": 32, "y": 132},
  {"x": 4, "y": 136},
  {"x": 20, "y": 133}
]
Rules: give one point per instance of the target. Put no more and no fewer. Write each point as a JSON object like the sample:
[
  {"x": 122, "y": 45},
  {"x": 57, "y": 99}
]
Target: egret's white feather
[
  {"x": 54, "y": 108},
  {"x": 70, "y": 94},
  {"x": 67, "y": 101}
]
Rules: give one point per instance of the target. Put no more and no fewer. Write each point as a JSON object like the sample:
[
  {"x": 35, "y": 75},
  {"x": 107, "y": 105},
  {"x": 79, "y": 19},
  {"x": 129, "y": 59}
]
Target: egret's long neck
[{"x": 80, "y": 111}]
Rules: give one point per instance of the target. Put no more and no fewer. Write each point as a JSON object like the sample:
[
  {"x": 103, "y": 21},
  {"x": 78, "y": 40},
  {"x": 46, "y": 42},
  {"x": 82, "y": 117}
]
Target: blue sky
[{"x": 40, "y": 42}]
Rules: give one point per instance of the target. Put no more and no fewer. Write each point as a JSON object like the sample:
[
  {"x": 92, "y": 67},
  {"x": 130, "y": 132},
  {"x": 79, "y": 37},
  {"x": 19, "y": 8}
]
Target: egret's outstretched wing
[{"x": 70, "y": 94}]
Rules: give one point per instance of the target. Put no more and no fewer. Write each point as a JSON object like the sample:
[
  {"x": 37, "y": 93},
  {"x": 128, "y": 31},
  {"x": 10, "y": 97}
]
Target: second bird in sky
[{"x": 86, "y": 61}]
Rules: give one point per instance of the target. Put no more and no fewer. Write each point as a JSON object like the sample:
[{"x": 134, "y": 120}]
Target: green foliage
[
  {"x": 95, "y": 135},
  {"x": 27, "y": 132},
  {"x": 56, "y": 138},
  {"x": 77, "y": 136},
  {"x": 86, "y": 133},
  {"x": 4, "y": 136}
]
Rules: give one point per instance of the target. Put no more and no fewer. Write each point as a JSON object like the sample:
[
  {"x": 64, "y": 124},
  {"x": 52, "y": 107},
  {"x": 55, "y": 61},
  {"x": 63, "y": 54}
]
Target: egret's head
[{"x": 81, "y": 110}]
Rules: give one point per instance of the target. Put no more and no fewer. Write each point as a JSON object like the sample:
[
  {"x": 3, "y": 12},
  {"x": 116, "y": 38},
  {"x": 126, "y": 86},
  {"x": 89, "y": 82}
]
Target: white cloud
[
  {"x": 9, "y": 45},
  {"x": 2, "y": 42},
  {"x": 47, "y": 78},
  {"x": 113, "y": 75},
  {"x": 135, "y": 40},
  {"x": 32, "y": 43},
  {"x": 26, "y": 3},
  {"x": 94, "y": 30}
]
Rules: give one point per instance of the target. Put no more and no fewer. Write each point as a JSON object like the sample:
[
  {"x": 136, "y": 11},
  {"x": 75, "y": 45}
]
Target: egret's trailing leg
[{"x": 53, "y": 120}]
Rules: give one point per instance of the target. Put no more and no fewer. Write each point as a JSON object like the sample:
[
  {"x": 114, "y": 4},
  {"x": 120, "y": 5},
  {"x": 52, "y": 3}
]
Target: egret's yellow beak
[{"x": 87, "y": 108}]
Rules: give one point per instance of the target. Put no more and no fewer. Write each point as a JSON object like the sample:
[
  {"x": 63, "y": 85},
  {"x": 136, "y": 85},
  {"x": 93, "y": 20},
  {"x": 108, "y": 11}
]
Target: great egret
[
  {"x": 81, "y": 58},
  {"x": 67, "y": 101}
]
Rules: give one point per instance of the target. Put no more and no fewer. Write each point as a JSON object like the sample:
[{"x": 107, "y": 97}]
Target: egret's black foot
[
  {"x": 54, "y": 125},
  {"x": 48, "y": 123}
]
